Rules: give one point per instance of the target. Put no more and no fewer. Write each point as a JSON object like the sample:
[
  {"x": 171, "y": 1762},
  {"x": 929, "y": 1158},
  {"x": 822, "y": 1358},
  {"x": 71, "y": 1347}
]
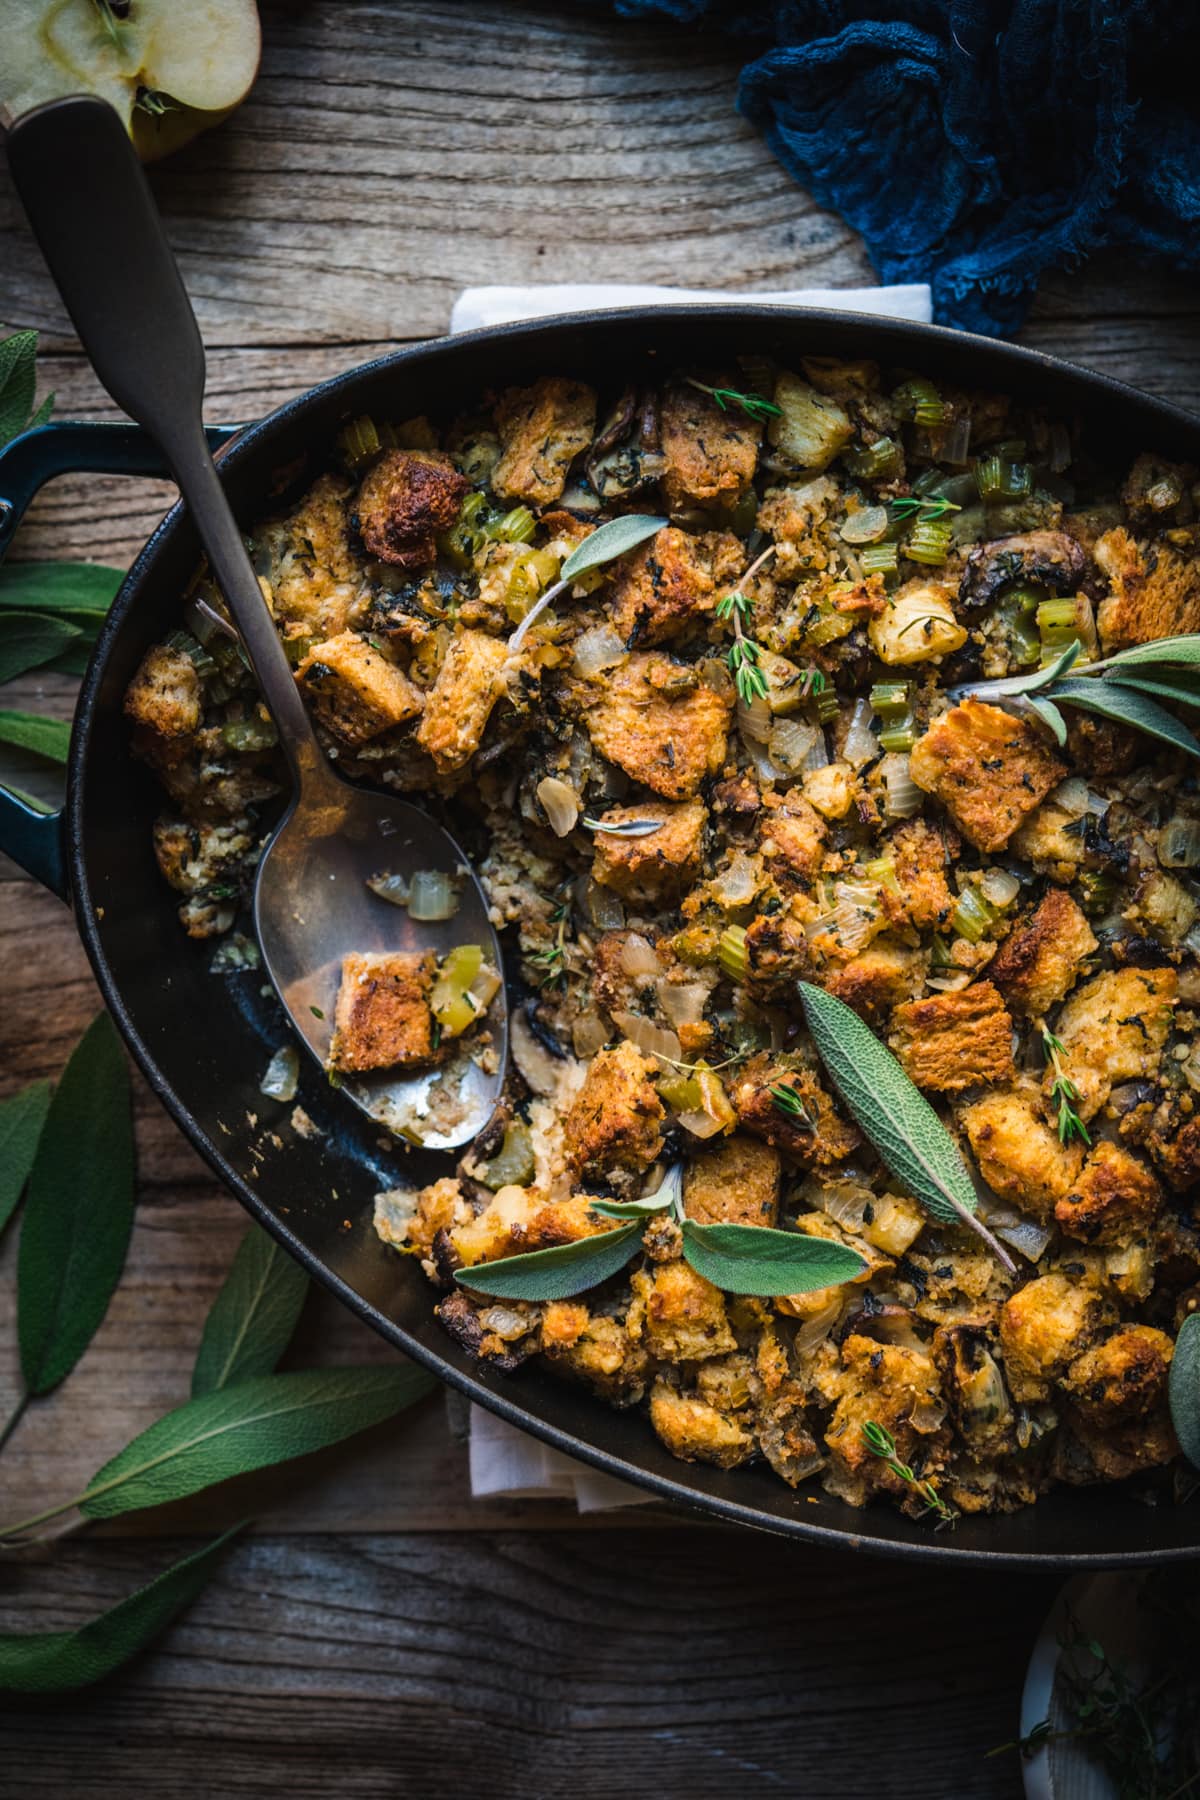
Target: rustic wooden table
[{"x": 379, "y": 1627}]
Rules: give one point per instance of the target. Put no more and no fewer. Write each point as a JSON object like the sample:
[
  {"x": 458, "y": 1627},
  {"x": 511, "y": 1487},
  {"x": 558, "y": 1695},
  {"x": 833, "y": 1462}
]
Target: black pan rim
[{"x": 991, "y": 352}]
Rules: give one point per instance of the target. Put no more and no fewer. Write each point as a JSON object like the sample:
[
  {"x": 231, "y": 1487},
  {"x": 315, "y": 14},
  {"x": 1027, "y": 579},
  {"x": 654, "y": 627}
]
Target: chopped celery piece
[
  {"x": 1063, "y": 621},
  {"x": 879, "y": 559},
  {"x": 681, "y": 1093},
  {"x": 453, "y": 1002},
  {"x": 892, "y": 701},
  {"x": 998, "y": 477},
  {"x": 972, "y": 916},
  {"x": 929, "y": 541},
  {"x": 1097, "y": 893},
  {"x": 697, "y": 945},
  {"x": 881, "y": 461},
  {"x": 515, "y": 527},
  {"x": 513, "y": 1164},
  {"x": 249, "y": 734},
  {"x": 919, "y": 400},
  {"x": 732, "y": 953},
  {"x": 362, "y": 440}
]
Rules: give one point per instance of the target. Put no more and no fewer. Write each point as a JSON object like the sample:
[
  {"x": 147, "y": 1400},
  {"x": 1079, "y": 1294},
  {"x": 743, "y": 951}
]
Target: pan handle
[{"x": 32, "y": 837}]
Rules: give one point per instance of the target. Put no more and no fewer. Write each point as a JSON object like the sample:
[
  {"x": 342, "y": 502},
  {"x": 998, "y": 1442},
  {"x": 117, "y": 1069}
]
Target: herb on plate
[
  {"x": 881, "y": 1443},
  {"x": 741, "y": 1259},
  {"x": 601, "y": 546},
  {"x": 896, "y": 1117}
]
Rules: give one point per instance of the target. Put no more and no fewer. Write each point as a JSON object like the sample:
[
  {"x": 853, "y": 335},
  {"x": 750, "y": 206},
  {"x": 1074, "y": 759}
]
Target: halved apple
[{"x": 170, "y": 69}]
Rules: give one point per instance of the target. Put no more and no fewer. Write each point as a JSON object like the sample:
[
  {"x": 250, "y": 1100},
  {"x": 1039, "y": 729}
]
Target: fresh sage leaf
[
  {"x": 75, "y": 660},
  {"x": 599, "y": 547},
  {"x": 894, "y": 1114},
  {"x": 28, "y": 640},
  {"x": 59, "y": 1662},
  {"x": 18, "y": 375},
  {"x": 252, "y": 1425},
  {"x": 1165, "y": 684},
  {"x": 22, "y": 1116},
  {"x": 80, "y": 591},
  {"x": 557, "y": 1273},
  {"x": 1127, "y": 707},
  {"x": 79, "y": 1210},
  {"x": 754, "y": 1259},
  {"x": 1183, "y": 1388},
  {"x": 1164, "y": 650},
  {"x": 608, "y": 542},
  {"x": 44, "y": 737},
  {"x": 251, "y": 1321},
  {"x": 667, "y": 1195},
  {"x": 1050, "y": 716}
]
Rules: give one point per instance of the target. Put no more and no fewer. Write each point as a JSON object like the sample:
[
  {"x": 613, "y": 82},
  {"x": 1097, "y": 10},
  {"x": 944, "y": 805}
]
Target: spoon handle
[{"x": 94, "y": 216}]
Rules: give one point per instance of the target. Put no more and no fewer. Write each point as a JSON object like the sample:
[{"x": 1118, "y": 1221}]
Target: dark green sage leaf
[
  {"x": 252, "y": 1319},
  {"x": 608, "y": 542},
  {"x": 75, "y": 660},
  {"x": 1127, "y": 707},
  {"x": 894, "y": 1114},
  {"x": 58, "y": 1662},
  {"x": 22, "y": 1116},
  {"x": 18, "y": 373},
  {"x": 1178, "y": 685},
  {"x": 1164, "y": 650},
  {"x": 557, "y": 1273},
  {"x": 80, "y": 591},
  {"x": 45, "y": 737},
  {"x": 28, "y": 640},
  {"x": 754, "y": 1259},
  {"x": 1183, "y": 1388},
  {"x": 252, "y": 1425},
  {"x": 79, "y": 1211}
]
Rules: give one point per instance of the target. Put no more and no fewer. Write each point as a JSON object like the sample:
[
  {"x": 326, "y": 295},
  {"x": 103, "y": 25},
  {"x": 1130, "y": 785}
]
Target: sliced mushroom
[
  {"x": 1050, "y": 558},
  {"x": 972, "y": 1381},
  {"x": 625, "y": 455}
]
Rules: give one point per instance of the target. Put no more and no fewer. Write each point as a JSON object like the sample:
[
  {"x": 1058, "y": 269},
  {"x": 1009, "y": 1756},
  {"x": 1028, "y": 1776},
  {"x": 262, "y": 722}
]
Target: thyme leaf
[
  {"x": 881, "y": 1443},
  {"x": 753, "y": 405},
  {"x": 1063, "y": 1092}
]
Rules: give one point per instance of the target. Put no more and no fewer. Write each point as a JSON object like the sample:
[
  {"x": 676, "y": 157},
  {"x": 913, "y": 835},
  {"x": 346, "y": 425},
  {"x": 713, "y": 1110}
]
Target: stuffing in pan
[{"x": 840, "y": 720}]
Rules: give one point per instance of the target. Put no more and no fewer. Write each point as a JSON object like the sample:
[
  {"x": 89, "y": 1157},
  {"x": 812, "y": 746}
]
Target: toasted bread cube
[
  {"x": 949, "y": 1042},
  {"x": 670, "y": 582},
  {"x": 354, "y": 690},
  {"x": 882, "y": 1384},
  {"x": 1125, "y": 1377},
  {"x": 778, "y": 955},
  {"x": 405, "y": 499},
  {"x": 815, "y": 1136},
  {"x": 542, "y": 430},
  {"x": 668, "y": 744},
  {"x": 1045, "y": 1326},
  {"x": 922, "y": 853},
  {"x": 1155, "y": 592},
  {"x": 883, "y": 975},
  {"x": 988, "y": 769},
  {"x": 735, "y": 1184},
  {"x": 1114, "y": 1201},
  {"x": 383, "y": 1020},
  {"x": 680, "y": 1315},
  {"x": 459, "y": 704},
  {"x": 710, "y": 454},
  {"x": 315, "y": 576},
  {"x": 792, "y": 837},
  {"x": 694, "y": 1431},
  {"x": 192, "y": 856},
  {"x": 520, "y": 1219},
  {"x": 917, "y": 623},
  {"x": 165, "y": 697},
  {"x": 1050, "y": 839},
  {"x": 614, "y": 1121},
  {"x": 1042, "y": 957},
  {"x": 657, "y": 866},
  {"x": 1019, "y": 1155},
  {"x": 1113, "y": 1028}
]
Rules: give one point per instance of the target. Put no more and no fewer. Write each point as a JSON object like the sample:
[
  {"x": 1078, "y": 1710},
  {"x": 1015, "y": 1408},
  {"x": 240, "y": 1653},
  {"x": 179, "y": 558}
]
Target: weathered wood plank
[{"x": 550, "y": 1667}]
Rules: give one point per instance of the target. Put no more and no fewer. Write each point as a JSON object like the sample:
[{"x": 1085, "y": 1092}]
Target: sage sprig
[
  {"x": 1127, "y": 687},
  {"x": 741, "y": 1259},
  {"x": 895, "y": 1115},
  {"x": 251, "y": 1321},
  {"x": 48, "y": 738},
  {"x": 18, "y": 377},
  {"x": 22, "y": 1117},
  {"x": 1183, "y": 1388},
  {"x": 601, "y": 546}
]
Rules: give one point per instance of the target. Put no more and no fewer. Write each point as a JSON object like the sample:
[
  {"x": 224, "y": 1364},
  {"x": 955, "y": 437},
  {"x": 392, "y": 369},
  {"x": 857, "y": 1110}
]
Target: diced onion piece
[
  {"x": 861, "y": 745},
  {"x": 393, "y": 888},
  {"x": 715, "y": 1112},
  {"x": 1072, "y": 796},
  {"x": 948, "y": 984},
  {"x": 282, "y": 1075},
  {"x": 846, "y": 1203},
  {"x": 866, "y": 526},
  {"x": 506, "y": 1323},
  {"x": 814, "y": 1331},
  {"x": 588, "y": 1036},
  {"x": 639, "y": 957},
  {"x": 857, "y": 912},
  {"x": 754, "y": 719},
  {"x": 1179, "y": 844},
  {"x": 433, "y": 895},
  {"x": 650, "y": 1039},
  {"x": 904, "y": 797},
  {"x": 927, "y": 1415},
  {"x": 999, "y": 887},
  {"x": 792, "y": 742},
  {"x": 603, "y": 908},
  {"x": 765, "y": 768},
  {"x": 1026, "y": 1235},
  {"x": 597, "y": 649},
  {"x": 738, "y": 882},
  {"x": 700, "y": 1123},
  {"x": 560, "y": 803},
  {"x": 683, "y": 1002}
]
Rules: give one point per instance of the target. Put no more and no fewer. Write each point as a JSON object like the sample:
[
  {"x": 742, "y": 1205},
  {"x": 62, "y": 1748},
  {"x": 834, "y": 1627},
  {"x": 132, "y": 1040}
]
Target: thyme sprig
[
  {"x": 1063, "y": 1092},
  {"x": 881, "y": 1443},
  {"x": 793, "y": 1105},
  {"x": 552, "y": 960},
  {"x": 920, "y": 506},
  {"x": 753, "y": 405},
  {"x": 745, "y": 654}
]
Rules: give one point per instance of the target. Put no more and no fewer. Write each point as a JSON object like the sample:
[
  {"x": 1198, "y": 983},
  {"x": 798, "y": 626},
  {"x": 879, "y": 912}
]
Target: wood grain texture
[
  {"x": 387, "y": 1634},
  {"x": 546, "y": 1667}
]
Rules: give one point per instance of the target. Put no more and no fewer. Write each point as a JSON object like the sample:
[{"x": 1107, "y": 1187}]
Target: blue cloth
[{"x": 976, "y": 143}]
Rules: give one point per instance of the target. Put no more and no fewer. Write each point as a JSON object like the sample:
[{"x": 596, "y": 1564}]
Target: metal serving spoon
[{"x": 93, "y": 214}]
